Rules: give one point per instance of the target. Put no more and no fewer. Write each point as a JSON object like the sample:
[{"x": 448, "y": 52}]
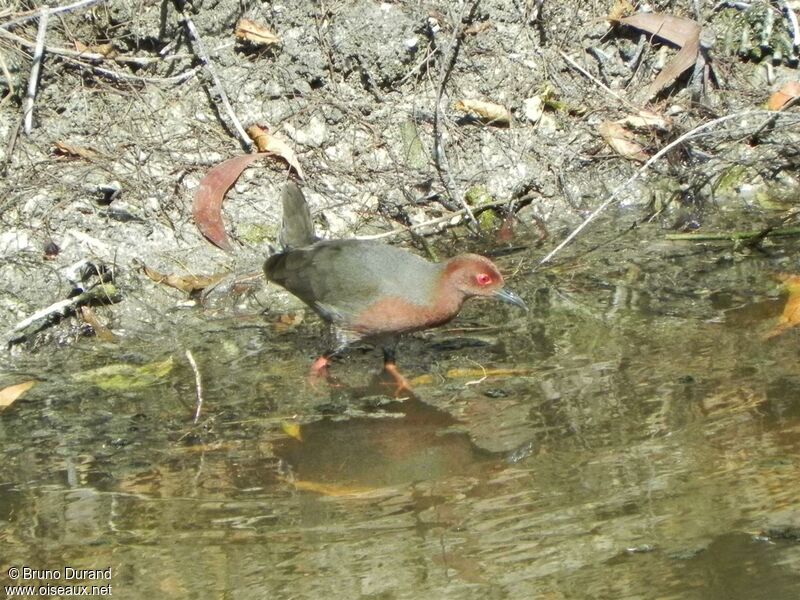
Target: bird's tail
[{"x": 297, "y": 230}]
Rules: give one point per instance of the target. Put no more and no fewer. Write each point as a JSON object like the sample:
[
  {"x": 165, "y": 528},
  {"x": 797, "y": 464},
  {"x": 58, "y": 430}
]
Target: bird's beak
[{"x": 510, "y": 297}]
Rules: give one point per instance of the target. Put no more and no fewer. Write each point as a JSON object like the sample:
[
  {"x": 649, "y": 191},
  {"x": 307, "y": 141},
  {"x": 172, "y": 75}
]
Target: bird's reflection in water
[{"x": 398, "y": 443}]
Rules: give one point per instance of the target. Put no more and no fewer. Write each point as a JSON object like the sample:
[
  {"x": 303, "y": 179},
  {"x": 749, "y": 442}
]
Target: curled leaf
[
  {"x": 100, "y": 330},
  {"x": 66, "y": 149},
  {"x": 646, "y": 120},
  {"x": 488, "y": 112},
  {"x": 275, "y": 145},
  {"x": 184, "y": 283},
  {"x": 208, "y": 199},
  {"x": 782, "y": 97},
  {"x": 684, "y": 33},
  {"x": 10, "y": 394},
  {"x": 106, "y": 50},
  {"x": 255, "y": 33},
  {"x": 622, "y": 141}
]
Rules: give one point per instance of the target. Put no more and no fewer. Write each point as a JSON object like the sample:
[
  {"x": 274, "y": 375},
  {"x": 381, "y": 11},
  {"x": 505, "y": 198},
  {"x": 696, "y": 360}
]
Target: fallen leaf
[
  {"x": 274, "y": 144},
  {"x": 619, "y": 10},
  {"x": 673, "y": 29},
  {"x": 488, "y": 112},
  {"x": 255, "y": 33},
  {"x": 210, "y": 194},
  {"x": 420, "y": 380},
  {"x": 10, "y": 394},
  {"x": 334, "y": 490},
  {"x": 292, "y": 430},
  {"x": 106, "y": 50},
  {"x": 184, "y": 283},
  {"x": 124, "y": 377},
  {"x": 622, "y": 141},
  {"x": 791, "y": 310},
  {"x": 464, "y": 373},
  {"x": 782, "y": 97},
  {"x": 684, "y": 33},
  {"x": 477, "y": 28},
  {"x": 288, "y": 321},
  {"x": 207, "y": 206},
  {"x": 646, "y": 120},
  {"x": 77, "y": 151},
  {"x": 100, "y": 331}
]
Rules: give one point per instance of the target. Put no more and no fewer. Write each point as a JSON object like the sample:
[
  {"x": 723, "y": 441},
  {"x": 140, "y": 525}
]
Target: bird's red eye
[{"x": 483, "y": 279}]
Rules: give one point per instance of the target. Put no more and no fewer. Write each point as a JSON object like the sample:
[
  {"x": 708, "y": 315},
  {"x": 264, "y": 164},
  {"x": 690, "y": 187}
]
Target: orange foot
[
  {"x": 403, "y": 386},
  {"x": 319, "y": 371}
]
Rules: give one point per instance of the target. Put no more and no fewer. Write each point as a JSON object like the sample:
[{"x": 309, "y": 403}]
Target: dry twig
[
  {"x": 439, "y": 153},
  {"x": 596, "y": 81},
  {"x": 443, "y": 219},
  {"x": 198, "y": 385},
  {"x": 33, "y": 81},
  {"x": 199, "y": 50},
  {"x": 51, "y": 11}
]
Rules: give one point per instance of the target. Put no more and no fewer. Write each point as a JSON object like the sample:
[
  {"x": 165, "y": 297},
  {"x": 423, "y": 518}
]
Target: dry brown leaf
[
  {"x": 210, "y": 194},
  {"x": 791, "y": 310},
  {"x": 184, "y": 283},
  {"x": 619, "y": 10},
  {"x": 488, "y": 112},
  {"x": 477, "y": 28},
  {"x": 673, "y": 29},
  {"x": 622, "y": 141},
  {"x": 10, "y": 394},
  {"x": 106, "y": 50},
  {"x": 275, "y": 145},
  {"x": 782, "y": 97},
  {"x": 101, "y": 331},
  {"x": 334, "y": 490},
  {"x": 255, "y": 33},
  {"x": 684, "y": 33},
  {"x": 66, "y": 149},
  {"x": 292, "y": 430},
  {"x": 467, "y": 373},
  {"x": 646, "y": 120},
  {"x": 288, "y": 321}
]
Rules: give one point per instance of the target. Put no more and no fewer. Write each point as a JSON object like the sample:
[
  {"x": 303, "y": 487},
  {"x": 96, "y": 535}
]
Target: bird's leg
[
  {"x": 319, "y": 369},
  {"x": 390, "y": 366}
]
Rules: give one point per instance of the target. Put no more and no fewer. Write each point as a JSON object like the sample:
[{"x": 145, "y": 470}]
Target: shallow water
[{"x": 633, "y": 436}]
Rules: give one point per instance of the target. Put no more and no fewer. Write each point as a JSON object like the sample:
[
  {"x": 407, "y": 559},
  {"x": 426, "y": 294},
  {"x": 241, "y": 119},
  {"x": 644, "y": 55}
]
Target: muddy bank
[{"x": 353, "y": 88}]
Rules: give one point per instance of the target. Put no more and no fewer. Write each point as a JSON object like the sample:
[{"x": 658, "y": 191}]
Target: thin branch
[
  {"x": 439, "y": 153},
  {"x": 52, "y": 11},
  {"x": 118, "y": 76},
  {"x": 199, "y": 50},
  {"x": 644, "y": 168},
  {"x": 596, "y": 81},
  {"x": 443, "y": 219},
  {"x": 33, "y": 81},
  {"x": 732, "y": 235},
  {"x": 9, "y": 81},
  {"x": 96, "y": 56},
  {"x": 198, "y": 385}
]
